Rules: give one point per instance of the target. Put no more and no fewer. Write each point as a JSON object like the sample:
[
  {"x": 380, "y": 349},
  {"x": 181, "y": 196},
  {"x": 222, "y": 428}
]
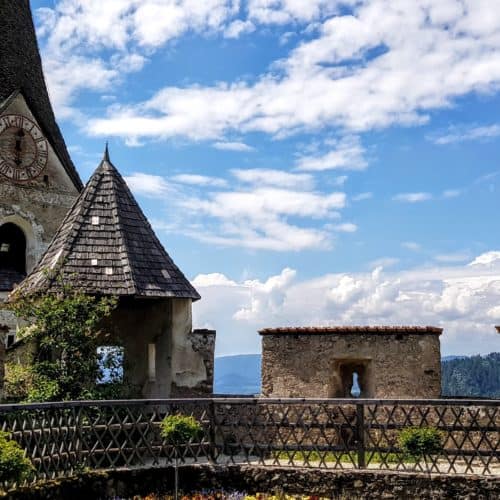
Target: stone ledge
[{"x": 341, "y": 484}]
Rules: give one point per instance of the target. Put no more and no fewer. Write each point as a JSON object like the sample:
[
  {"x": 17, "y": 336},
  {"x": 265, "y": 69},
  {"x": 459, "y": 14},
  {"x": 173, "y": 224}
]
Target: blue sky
[{"x": 319, "y": 162}]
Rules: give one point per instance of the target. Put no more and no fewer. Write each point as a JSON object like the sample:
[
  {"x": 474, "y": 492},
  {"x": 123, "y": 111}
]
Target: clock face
[{"x": 23, "y": 148}]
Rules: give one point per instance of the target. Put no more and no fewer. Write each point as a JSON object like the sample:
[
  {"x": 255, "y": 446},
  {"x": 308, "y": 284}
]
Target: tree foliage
[
  {"x": 14, "y": 466},
  {"x": 473, "y": 376},
  {"x": 180, "y": 429},
  {"x": 66, "y": 329},
  {"x": 420, "y": 442}
]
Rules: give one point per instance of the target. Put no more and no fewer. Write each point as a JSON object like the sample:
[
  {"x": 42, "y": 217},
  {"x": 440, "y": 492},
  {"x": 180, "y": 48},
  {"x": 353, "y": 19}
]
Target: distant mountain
[
  {"x": 461, "y": 375},
  {"x": 238, "y": 374}
]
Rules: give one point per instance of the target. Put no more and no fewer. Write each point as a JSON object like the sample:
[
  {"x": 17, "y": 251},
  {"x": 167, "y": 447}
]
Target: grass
[{"x": 329, "y": 456}]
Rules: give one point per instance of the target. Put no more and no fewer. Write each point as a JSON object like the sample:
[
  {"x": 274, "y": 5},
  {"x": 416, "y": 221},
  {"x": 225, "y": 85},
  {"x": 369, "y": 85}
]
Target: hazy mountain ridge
[{"x": 461, "y": 375}]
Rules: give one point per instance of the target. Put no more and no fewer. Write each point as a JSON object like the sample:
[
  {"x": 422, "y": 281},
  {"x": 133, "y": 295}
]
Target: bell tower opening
[{"x": 12, "y": 255}]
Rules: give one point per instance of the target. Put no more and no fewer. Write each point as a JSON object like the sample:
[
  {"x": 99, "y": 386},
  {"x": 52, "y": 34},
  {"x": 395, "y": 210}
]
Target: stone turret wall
[{"x": 388, "y": 365}]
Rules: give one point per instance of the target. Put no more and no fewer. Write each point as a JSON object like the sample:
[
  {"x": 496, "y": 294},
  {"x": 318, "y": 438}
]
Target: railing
[{"x": 63, "y": 438}]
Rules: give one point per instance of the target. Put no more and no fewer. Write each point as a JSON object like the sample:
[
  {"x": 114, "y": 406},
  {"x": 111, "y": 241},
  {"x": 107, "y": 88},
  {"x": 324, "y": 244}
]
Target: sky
[{"x": 304, "y": 163}]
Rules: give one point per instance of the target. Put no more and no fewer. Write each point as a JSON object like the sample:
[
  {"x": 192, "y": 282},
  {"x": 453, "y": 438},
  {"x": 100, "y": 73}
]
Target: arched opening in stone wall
[
  {"x": 352, "y": 379},
  {"x": 12, "y": 256}
]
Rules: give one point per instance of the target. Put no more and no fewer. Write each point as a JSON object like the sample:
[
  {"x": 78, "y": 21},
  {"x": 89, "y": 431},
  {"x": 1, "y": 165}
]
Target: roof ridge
[{"x": 121, "y": 230}]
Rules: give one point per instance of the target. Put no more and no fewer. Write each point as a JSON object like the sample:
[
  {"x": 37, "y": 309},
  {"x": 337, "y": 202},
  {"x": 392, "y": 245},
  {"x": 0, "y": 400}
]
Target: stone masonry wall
[
  {"x": 346, "y": 484},
  {"x": 392, "y": 365}
]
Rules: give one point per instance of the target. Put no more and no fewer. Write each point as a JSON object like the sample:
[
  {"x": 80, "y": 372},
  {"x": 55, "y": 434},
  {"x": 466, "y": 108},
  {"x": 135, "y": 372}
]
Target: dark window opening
[
  {"x": 12, "y": 256},
  {"x": 12, "y": 248},
  {"x": 352, "y": 379}
]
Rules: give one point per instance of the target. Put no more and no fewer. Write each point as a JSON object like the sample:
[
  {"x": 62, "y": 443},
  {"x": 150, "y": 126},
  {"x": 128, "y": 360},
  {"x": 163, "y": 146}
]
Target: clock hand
[{"x": 19, "y": 138}]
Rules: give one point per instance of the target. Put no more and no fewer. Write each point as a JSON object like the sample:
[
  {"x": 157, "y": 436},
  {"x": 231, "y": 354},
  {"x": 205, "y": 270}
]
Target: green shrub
[
  {"x": 14, "y": 466},
  {"x": 421, "y": 441},
  {"x": 180, "y": 429}
]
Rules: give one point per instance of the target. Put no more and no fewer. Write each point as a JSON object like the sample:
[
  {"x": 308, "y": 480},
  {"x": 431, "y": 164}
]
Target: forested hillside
[{"x": 472, "y": 376}]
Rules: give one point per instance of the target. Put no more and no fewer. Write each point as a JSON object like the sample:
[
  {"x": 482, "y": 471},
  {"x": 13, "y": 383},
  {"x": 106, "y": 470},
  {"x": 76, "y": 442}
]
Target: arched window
[{"x": 12, "y": 255}]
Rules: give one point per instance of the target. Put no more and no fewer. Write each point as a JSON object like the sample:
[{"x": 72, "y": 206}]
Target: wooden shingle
[{"x": 106, "y": 246}]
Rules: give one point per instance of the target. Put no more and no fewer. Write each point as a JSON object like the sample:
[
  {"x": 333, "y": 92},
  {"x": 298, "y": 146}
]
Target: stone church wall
[{"x": 321, "y": 365}]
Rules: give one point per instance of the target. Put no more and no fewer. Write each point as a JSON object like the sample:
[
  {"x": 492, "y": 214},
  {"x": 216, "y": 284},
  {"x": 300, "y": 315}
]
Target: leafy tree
[{"x": 66, "y": 329}]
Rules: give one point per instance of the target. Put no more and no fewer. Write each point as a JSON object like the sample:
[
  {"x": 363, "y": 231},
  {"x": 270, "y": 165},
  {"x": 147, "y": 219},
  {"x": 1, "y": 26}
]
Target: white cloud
[
  {"x": 384, "y": 262},
  {"x": 259, "y": 218},
  {"x": 147, "y": 184},
  {"x": 412, "y": 197},
  {"x": 380, "y": 64},
  {"x": 411, "y": 245},
  {"x": 462, "y": 299},
  {"x": 466, "y": 133},
  {"x": 452, "y": 193},
  {"x": 346, "y": 227},
  {"x": 213, "y": 279},
  {"x": 288, "y": 11},
  {"x": 348, "y": 154},
  {"x": 487, "y": 259},
  {"x": 271, "y": 177},
  {"x": 238, "y": 28},
  {"x": 450, "y": 258},
  {"x": 362, "y": 196},
  {"x": 199, "y": 180},
  {"x": 233, "y": 146},
  {"x": 74, "y": 32}
]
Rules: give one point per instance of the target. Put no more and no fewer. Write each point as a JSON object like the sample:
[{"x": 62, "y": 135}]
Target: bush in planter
[
  {"x": 14, "y": 466},
  {"x": 180, "y": 429},
  {"x": 421, "y": 442}
]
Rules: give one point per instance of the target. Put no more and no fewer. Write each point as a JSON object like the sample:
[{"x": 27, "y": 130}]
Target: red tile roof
[{"x": 339, "y": 330}]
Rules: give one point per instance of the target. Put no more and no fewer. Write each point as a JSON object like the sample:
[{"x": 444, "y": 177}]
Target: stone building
[
  {"x": 105, "y": 246},
  {"x": 327, "y": 362},
  {"x": 97, "y": 238},
  {"x": 38, "y": 181}
]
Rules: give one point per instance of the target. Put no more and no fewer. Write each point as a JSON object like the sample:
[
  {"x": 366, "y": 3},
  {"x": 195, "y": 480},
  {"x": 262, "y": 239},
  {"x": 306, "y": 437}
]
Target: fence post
[
  {"x": 360, "y": 435},
  {"x": 211, "y": 433}
]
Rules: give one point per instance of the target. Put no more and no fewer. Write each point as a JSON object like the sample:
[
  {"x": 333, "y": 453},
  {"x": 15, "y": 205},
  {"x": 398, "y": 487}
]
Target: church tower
[{"x": 38, "y": 181}]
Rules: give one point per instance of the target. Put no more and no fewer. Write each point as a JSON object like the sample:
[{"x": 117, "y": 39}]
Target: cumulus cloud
[
  {"x": 147, "y": 184},
  {"x": 412, "y": 197},
  {"x": 233, "y": 146},
  {"x": 259, "y": 218},
  {"x": 271, "y": 177},
  {"x": 466, "y": 133},
  {"x": 75, "y": 32},
  {"x": 347, "y": 154},
  {"x": 260, "y": 209},
  {"x": 378, "y": 64},
  {"x": 362, "y": 196},
  {"x": 462, "y": 299},
  {"x": 199, "y": 180},
  {"x": 411, "y": 245}
]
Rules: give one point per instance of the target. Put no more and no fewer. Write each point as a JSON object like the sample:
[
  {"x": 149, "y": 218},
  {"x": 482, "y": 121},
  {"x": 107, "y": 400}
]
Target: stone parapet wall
[
  {"x": 252, "y": 479},
  {"x": 389, "y": 365}
]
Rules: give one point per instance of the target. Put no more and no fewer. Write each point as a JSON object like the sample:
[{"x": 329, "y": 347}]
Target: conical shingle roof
[
  {"x": 21, "y": 71},
  {"x": 106, "y": 246}
]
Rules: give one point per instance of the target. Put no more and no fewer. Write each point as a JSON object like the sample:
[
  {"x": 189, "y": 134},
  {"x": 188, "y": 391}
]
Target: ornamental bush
[
  {"x": 180, "y": 429},
  {"x": 421, "y": 441},
  {"x": 14, "y": 466}
]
